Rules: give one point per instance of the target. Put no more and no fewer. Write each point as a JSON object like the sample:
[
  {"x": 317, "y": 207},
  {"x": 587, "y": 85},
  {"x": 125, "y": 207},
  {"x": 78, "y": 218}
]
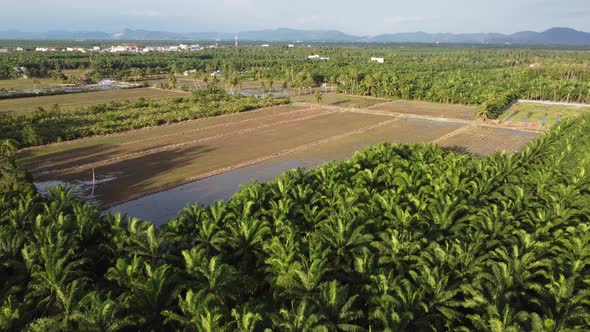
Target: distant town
[{"x": 133, "y": 48}]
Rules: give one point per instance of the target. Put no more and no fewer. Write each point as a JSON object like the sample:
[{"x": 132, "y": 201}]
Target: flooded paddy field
[
  {"x": 545, "y": 114},
  {"x": 153, "y": 173}
]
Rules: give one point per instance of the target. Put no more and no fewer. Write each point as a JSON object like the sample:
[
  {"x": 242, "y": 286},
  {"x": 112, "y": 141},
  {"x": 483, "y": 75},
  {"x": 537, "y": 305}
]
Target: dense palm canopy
[
  {"x": 490, "y": 78},
  {"x": 399, "y": 237}
]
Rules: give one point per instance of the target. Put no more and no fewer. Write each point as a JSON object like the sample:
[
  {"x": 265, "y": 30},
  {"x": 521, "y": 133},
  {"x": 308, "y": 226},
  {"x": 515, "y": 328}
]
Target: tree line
[
  {"x": 55, "y": 125},
  {"x": 490, "y": 78}
]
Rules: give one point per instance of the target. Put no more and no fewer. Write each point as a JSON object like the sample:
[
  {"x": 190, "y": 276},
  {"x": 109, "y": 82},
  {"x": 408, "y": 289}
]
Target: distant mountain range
[{"x": 553, "y": 36}]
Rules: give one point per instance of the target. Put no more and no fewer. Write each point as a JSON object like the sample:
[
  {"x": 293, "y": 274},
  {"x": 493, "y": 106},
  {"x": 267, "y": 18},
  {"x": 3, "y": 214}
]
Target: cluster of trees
[
  {"x": 398, "y": 238},
  {"x": 490, "y": 78},
  {"x": 55, "y": 125}
]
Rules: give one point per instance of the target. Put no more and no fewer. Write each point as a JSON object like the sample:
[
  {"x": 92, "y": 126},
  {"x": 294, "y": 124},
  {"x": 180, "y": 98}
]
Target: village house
[{"x": 378, "y": 60}]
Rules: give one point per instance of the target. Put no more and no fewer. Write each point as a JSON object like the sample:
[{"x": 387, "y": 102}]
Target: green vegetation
[
  {"x": 547, "y": 115},
  {"x": 55, "y": 125},
  {"x": 398, "y": 238},
  {"x": 488, "y": 78},
  {"x": 78, "y": 100}
]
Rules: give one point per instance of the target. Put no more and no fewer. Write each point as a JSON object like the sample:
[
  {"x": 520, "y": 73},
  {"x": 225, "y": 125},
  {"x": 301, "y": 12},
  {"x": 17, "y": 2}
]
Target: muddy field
[
  {"x": 428, "y": 109},
  {"x": 145, "y": 165},
  {"x": 485, "y": 140},
  {"x": 341, "y": 100},
  {"x": 74, "y": 100},
  {"x": 140, "y": 162}
]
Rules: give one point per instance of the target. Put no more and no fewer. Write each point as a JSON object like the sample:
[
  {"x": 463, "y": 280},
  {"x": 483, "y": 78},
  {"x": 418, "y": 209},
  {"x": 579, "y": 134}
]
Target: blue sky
[{"x": 367, "y": 17}]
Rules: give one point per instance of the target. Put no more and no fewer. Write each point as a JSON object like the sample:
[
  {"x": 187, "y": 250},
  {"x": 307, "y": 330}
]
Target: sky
[{"x": 365, "y": 17}]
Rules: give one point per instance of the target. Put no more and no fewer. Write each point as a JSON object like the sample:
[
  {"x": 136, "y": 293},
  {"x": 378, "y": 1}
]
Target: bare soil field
[
  {"x": 341, "y": 100},
  {"x": 143, "y": 167},
  {"x": 485, "y": 140},
  {"x": 136, "y": 163},
  {"x": 428, "y": 109},
  {"x": 73, "y": 100}
]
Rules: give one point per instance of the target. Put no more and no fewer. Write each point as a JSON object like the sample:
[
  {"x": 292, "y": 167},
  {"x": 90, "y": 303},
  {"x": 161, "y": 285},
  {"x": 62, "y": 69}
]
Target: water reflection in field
[{"x": 163, "y": 206}]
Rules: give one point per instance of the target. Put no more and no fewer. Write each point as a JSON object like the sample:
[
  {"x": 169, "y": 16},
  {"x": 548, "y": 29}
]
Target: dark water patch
[
  {"x": 82, "y": 188},
  {"x": 165, "y": 205},
  {"x": 527, "y": 117},
  {"x": 512, "y": 116},
  {"x": 544, "y": 118}
]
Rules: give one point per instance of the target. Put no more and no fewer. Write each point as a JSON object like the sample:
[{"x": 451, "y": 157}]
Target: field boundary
[
  {"x": 170, "y": 146},
  {"x": 546, "y": 102},
  {"x": 127, "y": 132},
  {"x": 221, "y": 125},
  {"x": 453, "y": 133}
]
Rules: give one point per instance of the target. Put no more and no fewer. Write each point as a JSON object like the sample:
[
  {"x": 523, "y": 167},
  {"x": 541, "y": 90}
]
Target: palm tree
[
  {"x": 247, "y": 318},
  {"x": 200, "y": 312},
  {"x": 99, "y": 313},
  {"x": 337, "y": 307},
  {"x": 318, "y": 98},
  {"x": 8, "y": 147},
  {"x": 210, "y": 274},
  {"x": 345, "y": 238},
  {"x": 154, "y": 292},
  {"x": 299, "y": 318}
]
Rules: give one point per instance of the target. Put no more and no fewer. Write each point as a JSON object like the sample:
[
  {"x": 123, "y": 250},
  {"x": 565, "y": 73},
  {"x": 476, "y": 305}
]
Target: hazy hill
[{"x": 553, "y": 36}]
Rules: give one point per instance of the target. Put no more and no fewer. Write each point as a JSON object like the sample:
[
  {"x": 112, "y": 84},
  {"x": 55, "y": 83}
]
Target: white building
[
  {"x": 189, "y": 72},
  {"x": 379, "y": 60},
  {"x": 117, "y": 49},
  {"x": 290, "y": 45},
  {"x": 317, "y": 57},
  {"x": 264, "y": 45}
]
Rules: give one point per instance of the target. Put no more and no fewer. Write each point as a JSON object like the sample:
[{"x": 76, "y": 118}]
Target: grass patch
[
  {"x": 74, "y": 100},
  {"x": 536, "y": 113}
]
